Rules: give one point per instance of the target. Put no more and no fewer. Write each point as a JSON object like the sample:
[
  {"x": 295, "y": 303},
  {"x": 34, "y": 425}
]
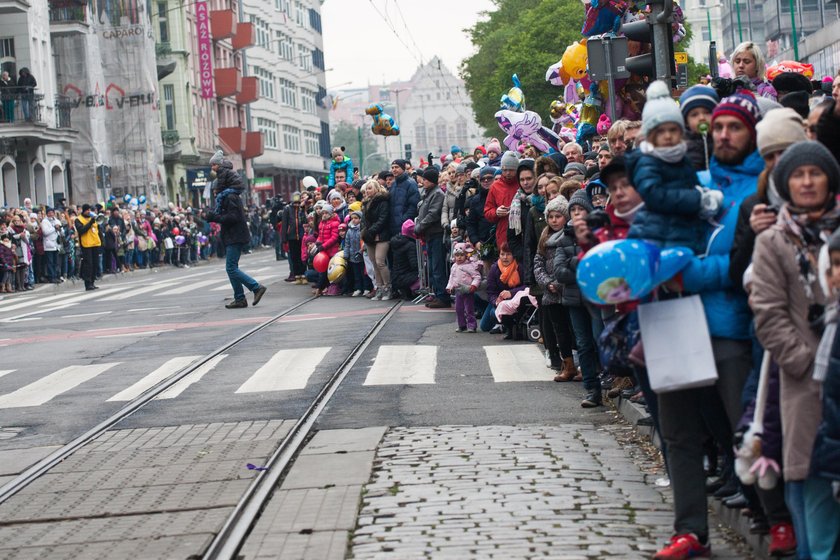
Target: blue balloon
[
  {"x": 142, "y": 199},
  {"x": 112, "y": 198},
  {"x": 127, "y": 198},
  {"x": 620, "y": 271}
]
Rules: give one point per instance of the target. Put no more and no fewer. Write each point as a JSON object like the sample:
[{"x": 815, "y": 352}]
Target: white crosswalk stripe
[
  {"x": 194, "y": 377},
  {"x": 509, "y": 363},
  {"x": 6, "y": 371},
  {"x": 189, "y": 287},
  {"x": 285, "y": 371},
  {"x": 161, "y": 373},
  {"x": 49, "y": 387},
  {"x": 403, "y": 365},
  {"x": 261, "y": 279}
]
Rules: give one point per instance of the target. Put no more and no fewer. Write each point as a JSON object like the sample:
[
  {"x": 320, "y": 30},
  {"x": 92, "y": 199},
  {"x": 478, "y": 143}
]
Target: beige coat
[{"x": 781, "y": 322}]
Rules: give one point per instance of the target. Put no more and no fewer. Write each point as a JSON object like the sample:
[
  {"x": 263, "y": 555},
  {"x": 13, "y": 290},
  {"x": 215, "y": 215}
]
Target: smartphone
[{"x": 772, "y": 208}]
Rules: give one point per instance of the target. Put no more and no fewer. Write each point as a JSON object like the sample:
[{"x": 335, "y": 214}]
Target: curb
[{"x": 730, "y": 517}]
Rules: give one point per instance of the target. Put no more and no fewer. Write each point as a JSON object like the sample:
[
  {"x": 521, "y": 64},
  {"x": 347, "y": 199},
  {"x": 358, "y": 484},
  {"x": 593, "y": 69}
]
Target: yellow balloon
[{"x": 574, "y": 60}]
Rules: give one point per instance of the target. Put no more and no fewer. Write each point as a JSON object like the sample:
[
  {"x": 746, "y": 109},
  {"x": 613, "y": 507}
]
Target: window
[
  {"x": 315, "y": 20},
  {"x": 420, "y": 134},
  {"x": 269, "y": 130},
  {"x": 307, "y": 101},
  {"x": 7, "y": 56},
  {"x": 291, "y": 138},
  {"x": 318, "y": 59},
  {"x": 304, "y": 58},
  {"x": 266, "y": 81},
  {"x": 311, "y": 143},
  {"x": 300, "y": 14},
  {"x": 169, "y": 106},
  {"x": 163, "y": 22},
  {"x": 705, "y": 33},
  {"x": 288, "y": 93},
  {"x": 461, "y": 131},
  {"x": 263, "y": 31},
  {"x": 283, "y": 6},
  {"x": 285, "y": 46},
  {"x": 325, "y": 140},
  {"x": 440, "y": 133}
]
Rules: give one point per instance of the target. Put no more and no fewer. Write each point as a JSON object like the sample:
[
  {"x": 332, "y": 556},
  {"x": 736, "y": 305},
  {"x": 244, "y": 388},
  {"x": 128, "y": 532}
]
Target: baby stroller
[{"x": 525, "y": 322}]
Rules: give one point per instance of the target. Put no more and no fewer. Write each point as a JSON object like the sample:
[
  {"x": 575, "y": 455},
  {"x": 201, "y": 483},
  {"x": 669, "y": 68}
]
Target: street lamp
[{"x": 397, "y": 114}]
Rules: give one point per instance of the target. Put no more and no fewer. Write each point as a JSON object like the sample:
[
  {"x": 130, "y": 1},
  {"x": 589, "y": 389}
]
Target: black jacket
[
  {"x": 292, "y": 223},
  {"x": 26, "y": 83},
  {"x": 696, "y": 152},
  {"x": 377, "y": 213},
  {"x": 740, "y": 255},
  {"x": 404, "y": 265},
  {"x": 478, "y": 228},
  {"x": 828, "y": 130},
  {"x": 520, "y": 245},
  {"x": 227, "y": 178},
  {"x": 232, "y": 219},
  {"x": 565, "y": 268},
  {"x": 825, "y": 460}
]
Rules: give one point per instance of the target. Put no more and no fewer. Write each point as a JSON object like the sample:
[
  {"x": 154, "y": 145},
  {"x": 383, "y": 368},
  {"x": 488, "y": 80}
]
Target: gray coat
[
  {"x": 428, "y": 213},
  {"x": 544, "y": 270},
  {"x": 565, "y": 267}
]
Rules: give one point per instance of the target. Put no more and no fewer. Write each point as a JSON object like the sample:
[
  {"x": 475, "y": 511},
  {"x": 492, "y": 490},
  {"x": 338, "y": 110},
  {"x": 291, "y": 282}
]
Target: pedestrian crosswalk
[{"x": 285, "y": 370}]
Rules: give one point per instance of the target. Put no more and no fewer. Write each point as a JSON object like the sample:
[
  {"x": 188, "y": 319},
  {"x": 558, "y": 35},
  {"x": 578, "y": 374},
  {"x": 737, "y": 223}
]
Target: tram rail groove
[
  {"x": 44, "y": 465},
  {"x": 230, "y": 539}
]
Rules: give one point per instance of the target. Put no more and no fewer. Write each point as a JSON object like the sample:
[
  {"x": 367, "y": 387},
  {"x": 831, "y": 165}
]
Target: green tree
[
  {"x": 522, "y": 37},
  {"x": 346, "y": 134}
]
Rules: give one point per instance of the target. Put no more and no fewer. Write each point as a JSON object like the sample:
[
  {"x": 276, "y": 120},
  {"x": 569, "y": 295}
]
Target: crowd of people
[{"x": 743, "y": 174}]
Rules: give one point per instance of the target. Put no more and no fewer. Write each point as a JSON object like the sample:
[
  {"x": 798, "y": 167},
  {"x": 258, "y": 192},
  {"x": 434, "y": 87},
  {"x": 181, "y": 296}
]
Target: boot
[{"x": 569, "y": 371}]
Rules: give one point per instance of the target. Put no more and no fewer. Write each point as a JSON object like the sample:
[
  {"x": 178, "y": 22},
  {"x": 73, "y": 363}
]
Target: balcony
[
  {"x": 222, "y": 24},
  {"x": 228, "y": 82},
  {"x": 163, "y": 49},
  {"x": 250, "y": 91},
  {"x": 8, "y": 7},
  {"x": 68, "y": 19},
  {"x": 171, "y": 145},
  {"x": 254, "y": 145},
  {"x": 233, "y": 139},
  {"x": 246, "y": 36},
  {"x": 24, "y": 116}
]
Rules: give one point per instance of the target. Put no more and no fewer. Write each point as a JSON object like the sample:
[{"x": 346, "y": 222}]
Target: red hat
[{"x": 481, "y": 149}]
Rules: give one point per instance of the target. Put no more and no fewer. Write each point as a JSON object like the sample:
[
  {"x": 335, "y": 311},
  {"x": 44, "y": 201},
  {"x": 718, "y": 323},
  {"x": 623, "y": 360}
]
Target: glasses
[{"x": 487, "y": 178}]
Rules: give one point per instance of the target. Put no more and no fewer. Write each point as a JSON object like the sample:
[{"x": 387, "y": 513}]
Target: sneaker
[
  {"x": 366, "y": 293},
  {"x": 472, "y": 330},
  {"x": 258, "y": 294},
  {"x": 439, "y": 304},
  {"x": 782, "y": 540},
  {"x": 357, "y": 293},
  {"x": 237, "y": 304},
  {"x": 592, "y": 400},
  {"x": 386, "y": 295},
  {"x": 682, "y": 547},
  {"x": 547, "y": 359},
  {"x": 378, "y": 295},
  {"x": 497, "y": 329},
  {"x": 461, "y": 329}
]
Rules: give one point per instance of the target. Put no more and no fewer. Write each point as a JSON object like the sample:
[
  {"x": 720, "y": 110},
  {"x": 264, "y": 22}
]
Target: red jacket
[
  {"x": 501, "y": 194},
  {"x": 328, "y": 235}
]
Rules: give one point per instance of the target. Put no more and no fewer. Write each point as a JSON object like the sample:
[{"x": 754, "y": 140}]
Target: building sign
[
  {"x": 205, "y": 49},
  {"x": 198, "y": 178},
  {"x": 263, "y": 184}
]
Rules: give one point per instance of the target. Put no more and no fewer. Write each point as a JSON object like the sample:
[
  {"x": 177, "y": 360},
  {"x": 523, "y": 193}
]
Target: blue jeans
[
  {"x": 236, "y": 276},
  {"x": 586, "y": 333},
  {"x": 437, "y": 266},
  {"x": 52, "y": 265},
  {"x": 488, "y": 320},
  {"x": 795, "y": 500},
  {"x": 823, "y": 513}
]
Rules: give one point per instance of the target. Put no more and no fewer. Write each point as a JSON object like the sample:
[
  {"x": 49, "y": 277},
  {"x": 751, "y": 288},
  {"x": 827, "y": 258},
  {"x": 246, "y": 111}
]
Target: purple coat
[
  {"x": 495, "y": 285},
  {"x": 771, "y": 438}
]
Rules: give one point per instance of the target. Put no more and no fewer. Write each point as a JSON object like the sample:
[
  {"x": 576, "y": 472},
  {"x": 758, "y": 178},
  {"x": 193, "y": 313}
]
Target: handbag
[
  {"x": 620, "y": 335},
  {"x": 677, "y": 344}
]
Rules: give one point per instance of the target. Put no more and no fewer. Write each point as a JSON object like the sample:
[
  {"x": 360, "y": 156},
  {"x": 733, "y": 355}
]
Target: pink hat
[
  {"x": 408, "y": 228},
  {"x": 494, "y": 146}
]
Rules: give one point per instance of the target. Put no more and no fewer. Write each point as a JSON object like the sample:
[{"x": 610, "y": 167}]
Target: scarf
[
  {"x": 515, "y": 215},
  {"x": 823, "y": 357},
  {"x": 671, "y": 154},
  {"x": 538, "y": 202},
  {"x": 807, "y": 237},
  {"x": 220, "y": 197},
  {"x": 509, "y": 275}
]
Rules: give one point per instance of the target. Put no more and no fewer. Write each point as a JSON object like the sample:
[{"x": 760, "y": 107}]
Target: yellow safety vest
[{"x": 90, "y": 238}]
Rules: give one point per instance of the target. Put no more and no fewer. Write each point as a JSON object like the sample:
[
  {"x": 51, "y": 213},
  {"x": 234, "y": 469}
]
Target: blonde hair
[
  {"x": 376, "y": 186},
  {"x": 755, "y": 52},
  {"x": 554, "y": 184},
  {"x": 617, "y": 129}
]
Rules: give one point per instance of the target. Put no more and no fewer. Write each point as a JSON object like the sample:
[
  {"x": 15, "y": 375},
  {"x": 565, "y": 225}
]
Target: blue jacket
[
  {"x": 727, "y": 312},
  {"x": 669, "y": 216},
  {"x": 346, "y": 165},
  {"x": 405, "y": 196}
]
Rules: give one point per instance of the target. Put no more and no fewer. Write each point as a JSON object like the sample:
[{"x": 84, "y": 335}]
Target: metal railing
[
  {"x": 170, "y": 138},
  {"x": 63, "y": 106},
  {"x": 21, "y": 107},
  {"x": 68, "y": 14},
  {"x": 163, "y": 49}
]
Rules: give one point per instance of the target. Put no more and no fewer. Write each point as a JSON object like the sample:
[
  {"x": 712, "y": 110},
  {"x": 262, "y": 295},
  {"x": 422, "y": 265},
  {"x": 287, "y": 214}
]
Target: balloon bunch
[
  {"x": 523, "y": 127},
  {"x": 383, "y": 123},
  {"x": 514, "y": 99}
]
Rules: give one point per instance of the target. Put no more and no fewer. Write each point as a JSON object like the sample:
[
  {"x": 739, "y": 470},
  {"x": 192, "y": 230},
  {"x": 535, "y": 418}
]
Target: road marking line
[
  {"x": 262, "y": 280},
  {"x": 153, "y": 308},
  {"x": 187, "y": 288},
  {"x": 6, "y": 371},
  {"x": 144, "y": 333},
  {"x": 403, "y": 365},
  {"x": 152, "y": 379},
  {"x": 510, "y": 363},
  {"x": 194, "y": 377},
  {"x": 85, "y": 315},
  {"x": 285, "y": 371},
  {"x": 139, "y": 291},
  {"x": 49, "y": 387}
]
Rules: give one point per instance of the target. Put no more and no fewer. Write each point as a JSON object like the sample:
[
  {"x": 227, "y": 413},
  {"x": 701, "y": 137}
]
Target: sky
[{"x": 361, "y": 48}]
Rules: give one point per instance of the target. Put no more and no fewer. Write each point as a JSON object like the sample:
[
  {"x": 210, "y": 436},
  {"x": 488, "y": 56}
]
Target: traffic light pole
[
  {"x": 663, "y": 57},
  {"x": 610, "y": 79}
]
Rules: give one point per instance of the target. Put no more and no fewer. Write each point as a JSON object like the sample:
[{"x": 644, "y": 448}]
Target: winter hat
[
  {"x": 486, "y": 170},
  {"x": 356, "y": 206},
  {"x": 741, "y": 105},
  {"x": 493, "y": 146},
  {"x": 309, "y": 181},
  {"x": 431, "y": 174},
  {"x": 401, "y": 163},
  {"x": 218, "y": 158},
  {"x": 578, "y": 168},
  {"x": 557, "y": 204},
  {"x": 582, "y": 199},
  {"x": 356, "y": 213},
  {"x": 526, "y": 163},
  {"x": 309, "y": 239},
  {"x": 778, "y": 130},
  {"x": 455, "y": 149},
  {"x": 328, "y": 209},
  {"x": 805, "y": 153},
  {"x": 481, "y": 149},
  {"x": 596, "y": 187},
  {"x": 337, "y": 151},
  {"x": 660, "y": 108},
  {"x": 510, "y": 160},
  {"x": 765, "y": 105},
  {"x": 616, "y": 166},
  {"x": 407, "y": 228},
  {"x": 560, "y": 160},
  {"x": 462, "y": 168},
  {"x": 335, "y": 194},
  {"x": 798, "y": 101},
  {"x": 342, "y": 227},
  {"x": 459, "y": 249},
  {"x": 698, "y": 96},
  {"x": 792, "y": 81}
]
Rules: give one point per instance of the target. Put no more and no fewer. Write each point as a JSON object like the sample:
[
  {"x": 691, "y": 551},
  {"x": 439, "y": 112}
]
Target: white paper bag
[{"x": 677, "y": 345}]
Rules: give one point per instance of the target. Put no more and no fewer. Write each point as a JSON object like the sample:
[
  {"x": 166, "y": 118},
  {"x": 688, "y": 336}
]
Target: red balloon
[
  {"x": 321, "y": 262},
  {"x": 176, "y": 231}
]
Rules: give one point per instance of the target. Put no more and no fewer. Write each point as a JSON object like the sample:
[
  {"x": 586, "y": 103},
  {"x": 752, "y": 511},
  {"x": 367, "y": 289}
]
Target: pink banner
[{"x": 205, "y": 49}]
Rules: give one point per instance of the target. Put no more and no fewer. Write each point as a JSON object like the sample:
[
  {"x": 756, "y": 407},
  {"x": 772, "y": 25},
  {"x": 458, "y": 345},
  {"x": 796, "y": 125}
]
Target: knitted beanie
[
  {"x": 431, "y": 174},
  {"x": 805, "y": 153},
  {"x": 660, "y": 108},
  {"x": 578, "y": 168},
  {"x": 217, "y": 158},
  {"x": 401, "y": 163},
  {"x": 581, "y": 198},
  {"x": 558, "y": 204},
  {"x": 596, "y": 187},
  {"x": 455, "y": 149},
  {"x": 487, "y": 170},
  {"x": 698, "y": 96},
  {"x": 494, "y": 146},
  {"x": 510, "y": 160},
  {"x": 778, "y": 130},
  {"x": 337, "y": 151},
  {"x": 741, "y": 105},
  {"x": 765, "y": 105}
]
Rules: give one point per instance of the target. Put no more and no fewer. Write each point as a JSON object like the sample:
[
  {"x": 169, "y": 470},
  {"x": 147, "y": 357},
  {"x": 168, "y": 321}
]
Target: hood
[{"x": 725, "y": 175}]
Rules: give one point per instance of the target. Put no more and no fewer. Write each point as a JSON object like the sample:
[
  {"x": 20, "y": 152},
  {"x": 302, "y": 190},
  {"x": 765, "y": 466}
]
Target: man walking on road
[
  {"x": 229, "y": 212},
  {"x": 88, "y": 231}
]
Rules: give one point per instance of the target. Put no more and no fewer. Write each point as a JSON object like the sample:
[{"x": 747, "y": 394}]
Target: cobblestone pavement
[{"x": 516, "y": 492}]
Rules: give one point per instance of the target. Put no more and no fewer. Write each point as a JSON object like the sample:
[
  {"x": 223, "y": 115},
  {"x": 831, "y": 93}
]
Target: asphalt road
[{"x": 71, "y": 358}]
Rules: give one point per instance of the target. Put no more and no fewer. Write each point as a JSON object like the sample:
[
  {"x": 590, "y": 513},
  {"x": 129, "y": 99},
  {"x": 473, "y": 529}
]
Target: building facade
[
  {"x": 287, "y": 63},
  {"x": 35, "y": 125}
]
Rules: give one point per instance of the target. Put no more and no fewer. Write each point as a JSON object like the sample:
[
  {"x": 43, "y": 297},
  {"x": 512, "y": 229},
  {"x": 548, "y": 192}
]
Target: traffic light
[
  {"x": 655, "y": 29},
  {"x": 407, "y": 149}
]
